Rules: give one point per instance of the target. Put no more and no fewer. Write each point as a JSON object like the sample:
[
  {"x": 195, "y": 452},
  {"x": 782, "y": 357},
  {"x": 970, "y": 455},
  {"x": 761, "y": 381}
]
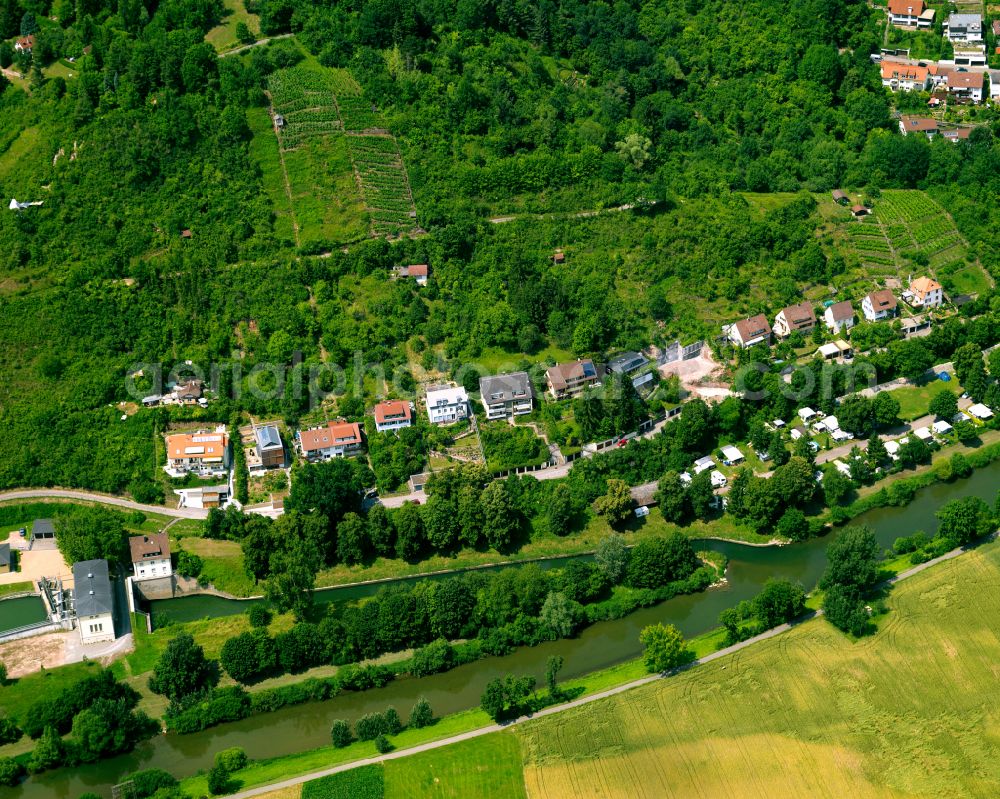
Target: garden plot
[{"x": 384, "y": 184}]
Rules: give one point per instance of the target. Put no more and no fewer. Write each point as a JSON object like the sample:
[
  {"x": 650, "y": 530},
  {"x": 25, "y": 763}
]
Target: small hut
[
  {"x": 859, "y": 211},
  {"x": 840, "y": 197}
]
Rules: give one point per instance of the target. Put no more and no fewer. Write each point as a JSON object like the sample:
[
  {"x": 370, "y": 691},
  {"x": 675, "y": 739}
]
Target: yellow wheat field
[{"x": 913, "y": 711}]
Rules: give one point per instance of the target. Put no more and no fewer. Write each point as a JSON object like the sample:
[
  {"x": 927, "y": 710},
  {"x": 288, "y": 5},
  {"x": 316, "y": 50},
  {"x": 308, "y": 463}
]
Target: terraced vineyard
[
  {"x": 318, "y": 105},
  {"x": 384, "y": 184},
  {"x": 909, "y": 233}
]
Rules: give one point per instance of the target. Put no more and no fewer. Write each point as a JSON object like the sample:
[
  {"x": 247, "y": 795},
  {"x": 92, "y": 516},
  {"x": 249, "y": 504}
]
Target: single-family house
[
  {"x": 879, "y": 305},
  {"x": 925, "y": 292},
  {"x": 995, "y": 85},
  {"x": 981, "y": 411},
  {"x": 203, "y": 497},
  {"x": 718, "y": 479},
  {"x": 910, "y": 14},
  {"x": 25, "y": 44},
  {"x": 572, "y": 379},
  {"x": 189, "y": 392},
  {"x": 925, "y": 125},
  {"x": 965, "y": 86},
  {"x": 266, "y": 450},
  {"x": 93, "y": 601},
  {"x": 955, "y": 135},
  {"x": 203, "y": 452},
  {"x": 970, "y": 55},
  {"x": 634, "y": 365},
  {"x": 747, "y": 332},
  {"x": 702, "y": 464},
  {"x": 393, "y": 415},
  {"x": 731, "y": 455},
  {"x": 941, "y": 427},
  {"x": 905, "y": 77},
  {"x": 150, "y": 556},
  {"x": 332, "y": 440},
  {"x": 508, "y": 395},
  {"x": 447, "y": 404},
  {"x": 839, "y": 316},
  {"x": 800, "y": 317},
  {"x": 924, "y": 434},
  {"x": 964, "y": 27}
]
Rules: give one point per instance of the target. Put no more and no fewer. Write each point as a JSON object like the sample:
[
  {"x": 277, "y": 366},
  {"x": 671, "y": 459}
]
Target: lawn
[
  {"x": 19, "y": 694},
  {"x": 913, "y": 400},
  {"x": 264, "y": 150},
  {"x": 223, "y": 566},
  {"x": 223, "y": 36},
  {"x": 907, "y": 712},
  {"x": 481, "y": 768}
]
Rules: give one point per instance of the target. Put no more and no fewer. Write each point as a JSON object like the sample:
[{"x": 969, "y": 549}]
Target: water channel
[
  {"x": 20, "y": 612},
  {"x": 304, "y": 727}
]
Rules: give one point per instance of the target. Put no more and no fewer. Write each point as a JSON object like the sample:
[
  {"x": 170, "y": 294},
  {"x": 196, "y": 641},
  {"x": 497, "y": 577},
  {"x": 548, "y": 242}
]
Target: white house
[
  {"x": 718, "y": 479},
  {"x": 805, "y": 414},
  {"x": 795, "y": 434},
  {"x": 202, "y": 452},
  {"x": 685, "y": 478},
  {"x": 910, "y": 14},
  {"x": 892, "y": 448},
  {"x": 926, "y": 292},
  {"x": 447, "y": 405},
  {"x": 924, "y": 434},
  {"x": 748, "y": 332},
  {"x": 801, "y": 318},
  {"x": 507, "y": 395},
  {"x": 93, "y": 601},
  {"x": 150, "y": 556},
  {"x": 202, "y": 497},
  {"x": 966, "y": 85},
  {"x": 905, "y": 77},
  {"x": 839, "y": 316},
  {"x": 964, "y": 27},
  {"x": 842, "y": 467},
  {"x": 393, "y": 415},
  {"x": 879, "y": 305}
]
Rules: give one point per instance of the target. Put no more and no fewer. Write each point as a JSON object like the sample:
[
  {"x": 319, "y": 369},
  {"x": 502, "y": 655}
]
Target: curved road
[
  {"x": 107, "y": 499},
  {"x": 465, "y": 736}
]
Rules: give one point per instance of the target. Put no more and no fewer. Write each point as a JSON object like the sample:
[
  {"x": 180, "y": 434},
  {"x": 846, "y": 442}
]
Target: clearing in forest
[{"x": 907, "y": 712}]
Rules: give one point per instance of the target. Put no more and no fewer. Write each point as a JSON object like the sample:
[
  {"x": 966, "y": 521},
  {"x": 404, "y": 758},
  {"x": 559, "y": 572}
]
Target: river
[{"x": 304, "y": 727}]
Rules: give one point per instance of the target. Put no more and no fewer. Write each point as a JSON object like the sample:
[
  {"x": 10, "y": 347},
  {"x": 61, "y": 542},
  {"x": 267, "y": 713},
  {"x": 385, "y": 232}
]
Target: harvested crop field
[{"x": 909, "y": 712}]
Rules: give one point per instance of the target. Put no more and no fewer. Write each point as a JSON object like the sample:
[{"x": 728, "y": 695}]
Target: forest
[{"x": 158, "y": 242}]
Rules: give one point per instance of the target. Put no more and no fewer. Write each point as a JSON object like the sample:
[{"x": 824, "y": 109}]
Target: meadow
[{"x": 906, "y": 712}]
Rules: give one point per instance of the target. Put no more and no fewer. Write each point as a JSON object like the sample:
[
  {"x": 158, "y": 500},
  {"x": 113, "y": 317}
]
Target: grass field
[
  {"x": 909, "y": 711},
  {"x": 264, "y": 150},
  {"x": 913, "y": 400},
  {"x": 223, "y": 36}
]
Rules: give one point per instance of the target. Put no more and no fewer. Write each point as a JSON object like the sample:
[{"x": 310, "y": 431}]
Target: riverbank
[{"x": 285, "y": 771}]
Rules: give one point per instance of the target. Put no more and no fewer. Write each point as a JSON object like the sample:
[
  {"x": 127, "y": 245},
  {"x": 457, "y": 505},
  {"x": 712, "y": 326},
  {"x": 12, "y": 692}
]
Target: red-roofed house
[
  {"x": 334, "y": 440},
  {"x": 748, "y": 332},
  {"x": 925, "y": 125},
  {"x": 393, "y": 415},
  {"x": 418, "y": 272},
  {"x": 25, "y": 44},
  {"x": 965, "y": 85},
  {"x": 910, "y": 13},
  {"x": 905, "y": 77}
]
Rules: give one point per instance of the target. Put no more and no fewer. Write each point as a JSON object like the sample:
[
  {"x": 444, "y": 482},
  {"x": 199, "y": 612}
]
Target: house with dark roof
[
  {"x": 794, "y": 318},
  {"x": 879, "y": 305},
  {"x": 633, "y": 365},
  {"x": 964, "y": 28},
  {"x": 6, "y": 562},
  {"x": 572, "y": 379},
  {"x": 747, "y": 332},
  {"x": 150, "y": 556},
  {"x": 270, "y": 450},
  {"x": 840, "y": 197},
  {"x": 43, "y": 530},
  {"x": 507, "y": 395},
  {"x": 93, "y": 601},
  {"x": 839, "y": 316}
]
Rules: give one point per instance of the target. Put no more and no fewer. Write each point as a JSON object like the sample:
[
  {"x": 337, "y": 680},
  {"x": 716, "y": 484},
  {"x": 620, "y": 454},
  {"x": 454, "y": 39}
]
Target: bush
[
  {"x": 393, "y": 725},
  {"x": 218, "y": 781},
  {"x": 221, "y": 705},
  {"x": 10, "y": 771},
  {"x": 232, "y": 759},
  {"x": 370, "y": 726},
  {"x": 259, "y": 615},
  {"x": 383, "y": 745},
  {"x": 9, "y": 731},
  {"x": 436, "y": 656},
  {"x": 151, "y": 780},
  {"x": 189, "y": 564},
  {"x": 421, "y": 715},
  {"x": 340, "y": 733}
]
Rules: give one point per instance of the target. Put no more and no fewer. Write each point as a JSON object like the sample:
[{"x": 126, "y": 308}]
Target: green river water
[{"x": 307, "y": 726}]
